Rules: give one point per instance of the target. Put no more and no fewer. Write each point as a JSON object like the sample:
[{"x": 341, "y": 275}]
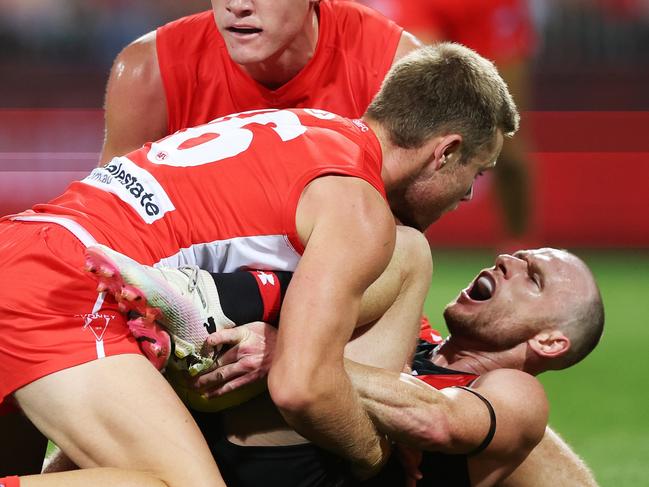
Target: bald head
[
  {"x": 583, "y": 319},
  {"x": 544, "y": 298}
]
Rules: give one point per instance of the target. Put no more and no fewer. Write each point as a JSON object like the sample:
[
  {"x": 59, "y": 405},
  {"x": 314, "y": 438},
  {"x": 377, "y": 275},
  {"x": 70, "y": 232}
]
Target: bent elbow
[
  {"x": 435, "y": 434},
  {"x": 291, "y": 393}
]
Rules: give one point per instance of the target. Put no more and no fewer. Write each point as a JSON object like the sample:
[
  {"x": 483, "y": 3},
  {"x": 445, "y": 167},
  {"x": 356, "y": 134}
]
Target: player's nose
[
  {"x": 509, "y": 265},
  {"x": 240, "y": 8}
]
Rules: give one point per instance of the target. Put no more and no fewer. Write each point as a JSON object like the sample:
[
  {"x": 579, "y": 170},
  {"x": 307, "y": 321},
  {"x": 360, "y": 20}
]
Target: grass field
[{"x": 601, "y": 406}]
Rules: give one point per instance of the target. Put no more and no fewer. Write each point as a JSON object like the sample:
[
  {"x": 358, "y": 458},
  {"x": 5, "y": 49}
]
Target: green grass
[{"x": 600, "y": 406}]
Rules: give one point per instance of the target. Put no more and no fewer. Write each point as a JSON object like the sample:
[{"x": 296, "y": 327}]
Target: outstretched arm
[
  {"x": 455, "y": 421},
  {"x": 349, "y": 237}
]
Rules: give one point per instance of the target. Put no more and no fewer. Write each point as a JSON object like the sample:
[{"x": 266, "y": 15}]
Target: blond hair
[{"x": 445, "y": 88}]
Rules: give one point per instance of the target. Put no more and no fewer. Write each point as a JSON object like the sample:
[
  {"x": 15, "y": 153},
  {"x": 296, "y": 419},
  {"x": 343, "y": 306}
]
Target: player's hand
[
  {"x": 410, "y": 459},
  {"x": 245, "y": 358},
  {"x": 367, "y": 471}
]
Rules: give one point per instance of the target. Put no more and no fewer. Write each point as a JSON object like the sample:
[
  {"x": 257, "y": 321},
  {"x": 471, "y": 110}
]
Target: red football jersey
[
  {"x": 443, "y": 378},
  {"x": 222, "y": 195},
  {"x": 355, "y": 49},
  {"x": 431, "y": 374}
]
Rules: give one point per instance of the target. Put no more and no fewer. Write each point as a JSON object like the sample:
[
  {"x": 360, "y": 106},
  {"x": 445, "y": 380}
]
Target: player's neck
[
  {"x": 469, "y": 357},
  {"x": 285, "y": 65},
  {"x": 399, "y": 165}
]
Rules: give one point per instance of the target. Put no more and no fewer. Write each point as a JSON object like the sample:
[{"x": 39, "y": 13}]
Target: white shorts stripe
[
  {"x": 73, "y": 227},
  {"x": 101, "y": 353}
]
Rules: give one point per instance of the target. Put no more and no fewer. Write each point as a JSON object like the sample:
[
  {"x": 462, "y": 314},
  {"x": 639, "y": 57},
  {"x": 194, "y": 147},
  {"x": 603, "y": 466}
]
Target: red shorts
[
  {"x": 500, "y": 30},
  {"x": 51, "y": 316}
]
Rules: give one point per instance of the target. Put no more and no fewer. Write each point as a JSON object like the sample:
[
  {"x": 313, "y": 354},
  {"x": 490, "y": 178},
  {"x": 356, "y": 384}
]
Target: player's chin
[
  {"x": 451, "y": 312},
  {"x": 250, "y": 53},
  {"x": 457, "y": 317}
]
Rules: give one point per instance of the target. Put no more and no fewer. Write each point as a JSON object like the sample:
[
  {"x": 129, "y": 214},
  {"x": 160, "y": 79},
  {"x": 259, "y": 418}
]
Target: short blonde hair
[{"x": 445, "y": 88}]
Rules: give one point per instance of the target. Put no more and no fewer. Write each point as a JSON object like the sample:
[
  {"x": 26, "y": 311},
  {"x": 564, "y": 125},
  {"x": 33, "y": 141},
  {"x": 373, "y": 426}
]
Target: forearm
[
  {"x": 333, "y": 417},
  {"x": 401, "y": 406},
  {"x": 321, "y": 310}
]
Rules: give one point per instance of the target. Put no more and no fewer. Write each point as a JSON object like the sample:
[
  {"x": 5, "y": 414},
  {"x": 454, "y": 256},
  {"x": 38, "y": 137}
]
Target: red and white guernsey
[
  {"x": 356, "y": 47},
  {"x": 222, "y": 195}
]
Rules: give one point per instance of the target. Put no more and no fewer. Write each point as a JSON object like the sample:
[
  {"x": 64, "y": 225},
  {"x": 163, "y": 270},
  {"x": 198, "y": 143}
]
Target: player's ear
[
  {"x": 549, "y": 343},
  {"x": 447, "y": 150}
]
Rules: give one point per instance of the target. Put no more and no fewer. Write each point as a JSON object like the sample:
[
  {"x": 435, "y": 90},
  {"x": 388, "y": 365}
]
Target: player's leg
[
  {"x": 22, "y": 448},
  {"x": 552, "y": 462},
  {"x": 67, "y": 358},
  {"x": 118, "y": 412},
  {"x": 393, "y": 305},
  {"x": 512, "y": 173}
]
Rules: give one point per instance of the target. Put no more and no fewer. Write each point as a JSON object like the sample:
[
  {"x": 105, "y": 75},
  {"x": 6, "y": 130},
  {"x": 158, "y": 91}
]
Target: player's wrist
[{"x": 374, "y": 460}]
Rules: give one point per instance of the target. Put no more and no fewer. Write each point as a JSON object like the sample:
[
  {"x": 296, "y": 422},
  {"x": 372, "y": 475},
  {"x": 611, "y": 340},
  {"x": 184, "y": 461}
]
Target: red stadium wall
[
  {"x": 591, "y": 178},
  {"x": 591, "y": 175}
]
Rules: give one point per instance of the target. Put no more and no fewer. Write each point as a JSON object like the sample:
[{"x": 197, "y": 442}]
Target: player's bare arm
[
  {"x": 455, "y": 421},
  {"x": 334, "y": 217},
  {"x": 136, "y": 108},
  {"x": 521, "y": 409}
]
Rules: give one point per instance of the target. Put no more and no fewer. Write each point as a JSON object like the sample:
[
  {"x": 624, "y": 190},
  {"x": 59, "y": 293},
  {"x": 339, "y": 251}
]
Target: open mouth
[
  {"x": 244, "y": 30},
  {"x": 483, "y": 287}
]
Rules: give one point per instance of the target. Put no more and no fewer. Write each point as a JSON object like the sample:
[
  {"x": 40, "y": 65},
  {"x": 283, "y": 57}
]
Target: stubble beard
[{"x": 494, "y": 333}]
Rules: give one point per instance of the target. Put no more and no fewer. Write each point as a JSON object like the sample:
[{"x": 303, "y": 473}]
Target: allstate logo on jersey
[{"x": 134, "y": 185}]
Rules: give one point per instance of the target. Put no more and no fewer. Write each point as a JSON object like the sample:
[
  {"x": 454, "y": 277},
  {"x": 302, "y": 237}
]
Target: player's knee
[{"x": 414, "y": 252}]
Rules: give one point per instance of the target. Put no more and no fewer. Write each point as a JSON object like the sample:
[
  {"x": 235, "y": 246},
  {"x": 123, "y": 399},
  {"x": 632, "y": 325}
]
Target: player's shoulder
[
  {"x": 520, "y": 383},
  {"x": 519, "y": 399},
  {"x": 138, "y": 60},
  {"x": 181, "y": 34}
]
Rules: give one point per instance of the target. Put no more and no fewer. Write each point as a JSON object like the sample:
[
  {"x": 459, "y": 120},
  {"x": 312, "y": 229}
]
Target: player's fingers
[
  {"x": 218, "y": 377},
  {"x": 228, "y": 336},
  {"x": 232, "y": 385},
  {"x": 228, "y": 357}
]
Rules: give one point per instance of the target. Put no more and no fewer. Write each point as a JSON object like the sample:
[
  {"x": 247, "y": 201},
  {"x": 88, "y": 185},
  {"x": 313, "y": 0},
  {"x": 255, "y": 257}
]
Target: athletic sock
[
  {"x": 10, "y": 481},
  {"x": 252, "y": 295}
]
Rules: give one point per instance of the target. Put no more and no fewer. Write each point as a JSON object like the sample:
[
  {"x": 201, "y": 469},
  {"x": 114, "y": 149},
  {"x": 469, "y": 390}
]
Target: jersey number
[{"x": 222, "y": 138}]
